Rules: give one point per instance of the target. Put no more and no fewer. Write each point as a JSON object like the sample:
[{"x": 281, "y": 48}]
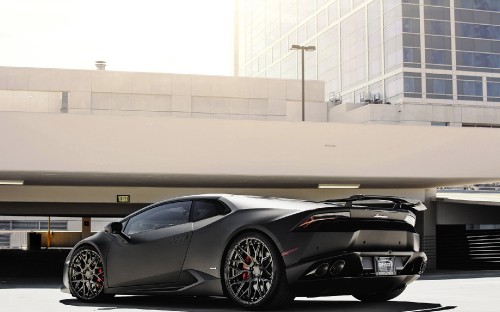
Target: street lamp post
[{"x": 303, "y": 48}]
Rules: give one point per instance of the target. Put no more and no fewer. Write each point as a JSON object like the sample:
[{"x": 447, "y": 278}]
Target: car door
[{"x": 159, "y": 238}]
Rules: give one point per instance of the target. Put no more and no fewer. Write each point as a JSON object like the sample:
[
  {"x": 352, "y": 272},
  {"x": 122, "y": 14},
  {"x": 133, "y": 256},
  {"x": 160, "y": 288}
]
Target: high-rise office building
[{"x": 439, "y": 52}]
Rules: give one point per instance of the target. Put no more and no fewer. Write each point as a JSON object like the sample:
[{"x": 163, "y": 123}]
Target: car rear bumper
[{"x": 354, "y": 273}]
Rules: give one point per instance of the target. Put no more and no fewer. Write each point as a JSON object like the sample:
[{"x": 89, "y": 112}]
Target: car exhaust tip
[
  {"x": 322, "y": 269},
  {"x": 337, "y": 267}
]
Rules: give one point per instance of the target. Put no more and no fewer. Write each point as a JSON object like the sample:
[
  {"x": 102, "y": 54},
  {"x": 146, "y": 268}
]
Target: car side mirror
[
  {"x": 114, "y": 227},
  {"x": 117, "y": 228}
]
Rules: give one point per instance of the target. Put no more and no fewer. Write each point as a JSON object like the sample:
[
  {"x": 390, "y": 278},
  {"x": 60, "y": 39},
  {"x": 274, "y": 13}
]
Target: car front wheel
[
  {"x": 86, "y": 275},
  {"x": 254, "y": 273}
]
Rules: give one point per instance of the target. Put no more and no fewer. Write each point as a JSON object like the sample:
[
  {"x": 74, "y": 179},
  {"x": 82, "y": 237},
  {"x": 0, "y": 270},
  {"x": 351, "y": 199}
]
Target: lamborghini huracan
[{"x": 260, "y": 252}]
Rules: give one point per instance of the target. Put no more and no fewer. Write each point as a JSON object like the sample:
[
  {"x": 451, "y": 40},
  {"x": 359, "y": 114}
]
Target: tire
[
  {"x": 86, "y": 275},
  {"x": 254, "y": 273},
  {"x": 383, "y": 296}
]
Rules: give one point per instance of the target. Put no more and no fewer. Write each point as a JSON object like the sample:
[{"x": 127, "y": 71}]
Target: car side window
[
  {"x": 204, "y": 209},
  {"x": 158, "y": 217}
]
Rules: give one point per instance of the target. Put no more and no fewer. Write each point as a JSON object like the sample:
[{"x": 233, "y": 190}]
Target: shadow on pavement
[
  {"x": 30, "y": 283},
  {"x": 447, "y": 275},
  {"x": 198, "y": 304}
]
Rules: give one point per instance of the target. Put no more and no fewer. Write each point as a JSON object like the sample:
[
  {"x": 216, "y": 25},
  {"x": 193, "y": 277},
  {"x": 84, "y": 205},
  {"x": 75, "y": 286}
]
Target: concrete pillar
[
  {"x": 426, "y": 227},
  {"x": 86, "y": 227}
]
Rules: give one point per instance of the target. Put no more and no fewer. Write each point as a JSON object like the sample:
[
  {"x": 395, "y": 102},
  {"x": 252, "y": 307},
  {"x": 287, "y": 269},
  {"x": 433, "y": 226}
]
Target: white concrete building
[{"x": 173, "y": 95}]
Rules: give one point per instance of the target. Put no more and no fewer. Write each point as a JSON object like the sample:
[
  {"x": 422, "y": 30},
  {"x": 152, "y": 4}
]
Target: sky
[{"x": 174, "y": 36}]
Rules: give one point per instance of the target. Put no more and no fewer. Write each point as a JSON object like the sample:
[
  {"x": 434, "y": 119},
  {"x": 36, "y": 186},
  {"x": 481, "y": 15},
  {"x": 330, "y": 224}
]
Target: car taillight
[
  {"x": 410, "y": 220},
  {"x": 324, "y": 217}
]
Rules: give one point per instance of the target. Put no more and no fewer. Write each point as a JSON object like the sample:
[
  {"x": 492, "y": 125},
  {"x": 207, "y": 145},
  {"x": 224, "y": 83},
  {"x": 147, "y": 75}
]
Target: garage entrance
[
  {"x": 468, "y": 234},
  {"x": 472, "y": 246}
]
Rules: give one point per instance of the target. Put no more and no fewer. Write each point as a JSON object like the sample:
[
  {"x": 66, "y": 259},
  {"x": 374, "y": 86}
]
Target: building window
[
  {"x": 301, "y": 34},
  {"x": 436, "y": 13},
  {"x": 411, "y": 1},
  {"x": 445, "y": 3},
  {"x": 5, "y": 240},
  {"x": 438, "y": 42},
  {"x": 411, "y": 25},
  {"x": 470, "y": 88},
  {"x": 333, "y": 13},
  {"x": 412, "y": 85},
  {"x": 438, "y": 57},
  {"x": 410, "y": 10},
  {"x": 433, "y": 27},
  {"x": 471, "y": 125},
  {"x": 493, "y": 90},
  {"x": 276, "y": 52},
  {"x": 411, "y": 55},
  {"x": 478, "y": 31},
  {"x": 345, "y": 7},
  {"x": 439, "y": 124},
  {"x": 439, "y": 86},
  {"x": 311, "y": 28},
  {"x": 487, "y": 5},
  {"x": 474, "y": 59},
  {"x": 322, "y": 19}
]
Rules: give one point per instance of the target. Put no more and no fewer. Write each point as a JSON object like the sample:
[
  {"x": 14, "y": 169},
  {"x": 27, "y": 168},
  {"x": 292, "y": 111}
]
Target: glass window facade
[
  {"x": 393, "y": 37},
  {"x": 398, "y": 48},
  {"x": 353, "y": 49},
  {"x": 437, "y": 35},
  {"x": 477, "y": 31},
  {"x": 328, "y": 59},
  {"x": 374, "y": 26},
  {"x": 333, "y": 12}
]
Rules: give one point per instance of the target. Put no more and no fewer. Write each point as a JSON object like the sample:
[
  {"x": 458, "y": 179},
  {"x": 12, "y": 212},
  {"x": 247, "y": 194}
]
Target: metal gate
[{"x": 459, "y": 248}]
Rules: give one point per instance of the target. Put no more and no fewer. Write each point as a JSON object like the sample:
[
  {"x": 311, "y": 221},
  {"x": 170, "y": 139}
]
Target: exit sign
[{"x": 123, "y": 198}]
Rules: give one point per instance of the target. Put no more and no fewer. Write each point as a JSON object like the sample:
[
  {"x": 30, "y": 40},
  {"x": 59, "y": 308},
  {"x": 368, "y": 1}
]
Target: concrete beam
[{"x": 66, "y": 149}]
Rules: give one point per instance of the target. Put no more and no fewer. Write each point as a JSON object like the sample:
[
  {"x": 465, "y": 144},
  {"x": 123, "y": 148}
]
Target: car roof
[{"x": 255, "y": 202}]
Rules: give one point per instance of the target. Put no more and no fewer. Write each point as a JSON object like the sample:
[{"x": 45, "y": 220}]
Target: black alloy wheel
[
  {"x": 254, "y": 274},
  {"x": 86, "y": 275}
]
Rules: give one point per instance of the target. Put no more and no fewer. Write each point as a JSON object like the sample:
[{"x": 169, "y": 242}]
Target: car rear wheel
[
  {"x": 86, "y": 275},
  {"x": 254, "y": 273},
  {"x": 381, "y": 296}
]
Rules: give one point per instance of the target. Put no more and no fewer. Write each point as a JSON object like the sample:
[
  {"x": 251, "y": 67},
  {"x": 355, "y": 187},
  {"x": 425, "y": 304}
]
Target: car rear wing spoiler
[{"x": 399, "y": 202}]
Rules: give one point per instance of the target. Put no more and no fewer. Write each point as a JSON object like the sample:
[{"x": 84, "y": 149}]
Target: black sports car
[{"x": 260, "y": 252}]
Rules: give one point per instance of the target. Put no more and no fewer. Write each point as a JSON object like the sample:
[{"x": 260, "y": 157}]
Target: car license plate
[{"x": 384, "y": 266}]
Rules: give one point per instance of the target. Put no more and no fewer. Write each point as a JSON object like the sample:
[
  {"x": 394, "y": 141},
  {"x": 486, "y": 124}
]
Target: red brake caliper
[
  {"x": 100, "y": 273},
  {"x": 245, "y": 275}
]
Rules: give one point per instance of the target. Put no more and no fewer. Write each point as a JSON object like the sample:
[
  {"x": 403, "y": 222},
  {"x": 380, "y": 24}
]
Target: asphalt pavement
[{"x": 436, "y": 291}]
